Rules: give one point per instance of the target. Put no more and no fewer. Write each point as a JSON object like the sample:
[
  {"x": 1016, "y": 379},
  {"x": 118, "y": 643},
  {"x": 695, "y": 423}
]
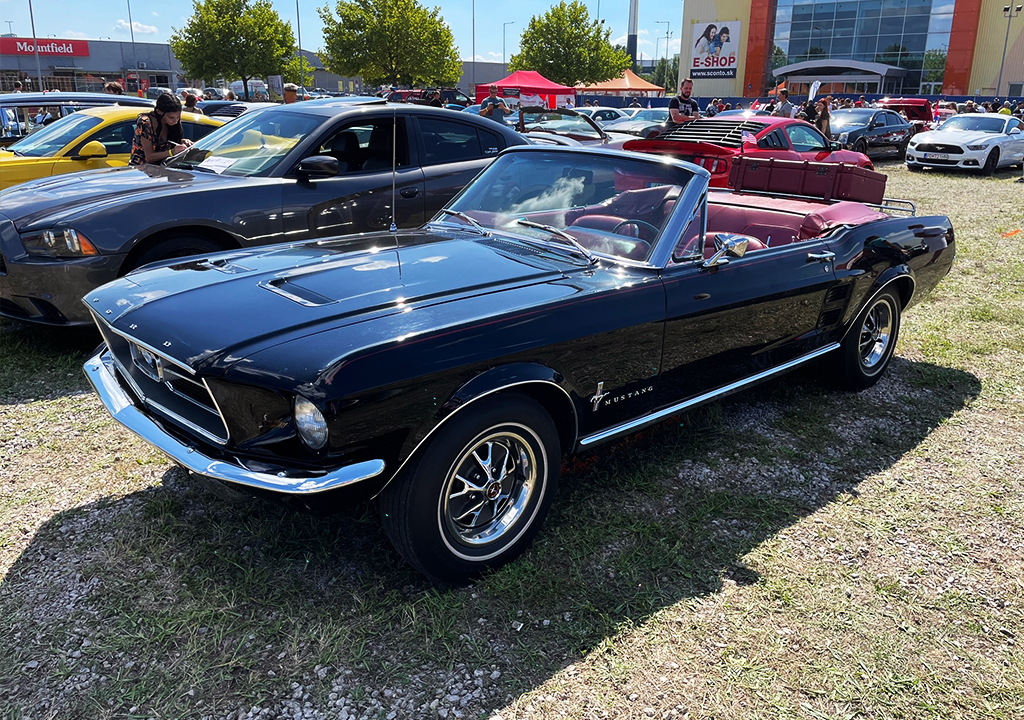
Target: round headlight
[{"x": 310, "y": 423}]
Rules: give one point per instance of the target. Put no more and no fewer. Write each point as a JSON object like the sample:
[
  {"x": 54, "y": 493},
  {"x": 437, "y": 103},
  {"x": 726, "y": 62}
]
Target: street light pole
[
  {"x": 135, "y": 54},
  {"x": 35, "y": 46},
  {"x": 472, "y": 67},
  {"x": 666, "y": 24},
  {"x": 302, "y": 64},
  {"x": 1009, "y": 12},
  {"x": 504, "y": 65}
]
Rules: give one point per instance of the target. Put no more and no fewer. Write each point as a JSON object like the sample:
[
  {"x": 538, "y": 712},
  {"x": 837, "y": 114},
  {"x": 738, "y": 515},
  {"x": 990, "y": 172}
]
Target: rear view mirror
[
  {"x": 92, "y": 149},
  {"x": 835, "y": 145}
]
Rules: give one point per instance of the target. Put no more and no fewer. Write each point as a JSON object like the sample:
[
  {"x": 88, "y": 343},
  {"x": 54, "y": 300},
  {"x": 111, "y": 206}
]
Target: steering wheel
[{"x": 639, "y": 225}]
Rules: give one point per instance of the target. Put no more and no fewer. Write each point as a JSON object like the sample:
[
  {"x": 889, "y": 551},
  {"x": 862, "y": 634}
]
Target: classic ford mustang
[{"x": 566, "y": 297}]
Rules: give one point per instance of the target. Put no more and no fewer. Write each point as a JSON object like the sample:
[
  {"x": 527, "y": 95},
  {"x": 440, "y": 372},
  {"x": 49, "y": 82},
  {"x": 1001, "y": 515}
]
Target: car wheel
[
  {"x": 913, "y": 168},
  {"x": 901, "y": 151},
  {"x": 176, "y": 246},
  {"x": 991, "y": 162},
  {"x": 861, "y": 147},
  {"x": 479, "y": 492},
  {"x": 868, "y": 347}
]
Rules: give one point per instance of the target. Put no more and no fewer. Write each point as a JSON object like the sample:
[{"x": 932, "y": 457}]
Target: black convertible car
[
  {"x": 313, "y": 169},
  {"x": 566, "y": 297}
]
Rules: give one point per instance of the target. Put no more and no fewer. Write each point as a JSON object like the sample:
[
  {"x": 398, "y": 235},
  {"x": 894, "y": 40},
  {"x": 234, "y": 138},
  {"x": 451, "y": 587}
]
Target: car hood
[
  {"x": 60, "y": 199},
  {"x": 955, "y": 137},
  {"x": 218, "y": 309}
]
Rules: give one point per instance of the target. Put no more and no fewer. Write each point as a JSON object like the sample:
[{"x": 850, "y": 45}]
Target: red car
[
  {"x": 712, "y": 143},
  {"x": 917, "y": 111}
]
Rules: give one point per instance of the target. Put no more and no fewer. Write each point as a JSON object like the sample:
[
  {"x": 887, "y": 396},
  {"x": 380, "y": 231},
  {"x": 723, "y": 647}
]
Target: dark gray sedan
[{"x": 293, "y": 172}]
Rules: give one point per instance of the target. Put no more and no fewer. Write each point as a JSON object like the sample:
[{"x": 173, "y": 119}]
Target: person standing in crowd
[
  {"x": 229, "y": 95},
  {"x": 683, "y": 108},
  {"x": 435, "y": 99},
  {"x": 860, "y": 103},
  {"x": 190, "y": 104},
  {"x": 784, "y": 108},
  {"x": 822, "y": 121},
  {"x": 1005, "y": 109},
  {"x": 291, "y": 93},
  {"x": 494, "y": 107},
  {"x": 635, "y": 103},
  {"x": 158, "y": 133},
  {"x": 712, "y": 109},
  {"x": 17, "y": 86},
  {"x": 113, "y": 88}
]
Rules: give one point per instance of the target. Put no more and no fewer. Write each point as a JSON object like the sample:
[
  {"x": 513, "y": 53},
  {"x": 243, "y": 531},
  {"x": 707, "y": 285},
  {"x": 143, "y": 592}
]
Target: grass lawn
[{"x": 791, "y": 552}]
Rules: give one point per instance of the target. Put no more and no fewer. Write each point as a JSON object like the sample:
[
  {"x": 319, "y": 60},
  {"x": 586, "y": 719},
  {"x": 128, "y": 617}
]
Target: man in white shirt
[{"x": 784, "y": 108}]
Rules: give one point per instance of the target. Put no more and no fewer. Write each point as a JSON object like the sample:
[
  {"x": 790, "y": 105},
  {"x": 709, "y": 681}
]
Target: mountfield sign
[{"x": 25, "y": 46}]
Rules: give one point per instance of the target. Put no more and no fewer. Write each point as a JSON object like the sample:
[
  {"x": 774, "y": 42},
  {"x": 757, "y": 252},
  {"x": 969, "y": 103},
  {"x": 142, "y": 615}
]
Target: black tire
[
  {"x": 991, "y": 162},
  {"x": 914, "y": 168},
  {"x": 427, "y": 510},
  {"x": 861, "y": 146},
  {"x": 901, "y": 151},
  {"x": 869, "y": 345},
  {"x": 176, "y": 246}
]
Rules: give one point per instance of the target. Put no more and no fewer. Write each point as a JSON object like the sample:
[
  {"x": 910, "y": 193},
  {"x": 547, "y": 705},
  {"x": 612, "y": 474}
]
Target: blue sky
[{"x": 155, "y": 19}]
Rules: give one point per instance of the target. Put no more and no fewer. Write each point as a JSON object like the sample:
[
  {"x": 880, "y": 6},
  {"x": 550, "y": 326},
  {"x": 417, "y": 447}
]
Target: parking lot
[{"x": 791, "y": 552}]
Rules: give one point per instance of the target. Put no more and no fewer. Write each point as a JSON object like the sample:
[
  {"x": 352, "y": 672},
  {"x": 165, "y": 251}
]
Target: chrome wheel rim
[
  {"x": 876, "y": 335},
  {"x": 489, "y": 489}
]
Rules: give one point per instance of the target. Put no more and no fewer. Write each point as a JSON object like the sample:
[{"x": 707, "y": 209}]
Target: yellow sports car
[{"x": 99, "y": 137}]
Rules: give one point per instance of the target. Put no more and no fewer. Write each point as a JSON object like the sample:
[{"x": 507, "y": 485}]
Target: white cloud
[
  {"x": 156, "y": 14},
  {"x": 74, "y": 34},
  {"x": 122, "y": 26}
]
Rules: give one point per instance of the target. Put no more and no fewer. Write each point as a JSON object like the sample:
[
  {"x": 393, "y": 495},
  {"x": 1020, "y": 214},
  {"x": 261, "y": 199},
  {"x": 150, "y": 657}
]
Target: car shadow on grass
[
  {"x": 189, "y": 585},
  {"x": 40, "y": 361}
]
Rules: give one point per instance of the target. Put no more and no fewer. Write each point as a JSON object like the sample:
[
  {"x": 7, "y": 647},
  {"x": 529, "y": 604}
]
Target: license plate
[{"x": 936, "y": 156}]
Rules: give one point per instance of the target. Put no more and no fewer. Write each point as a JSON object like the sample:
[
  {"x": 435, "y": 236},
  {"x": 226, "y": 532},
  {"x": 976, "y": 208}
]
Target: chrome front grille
[{"x": 166, "y": 387}]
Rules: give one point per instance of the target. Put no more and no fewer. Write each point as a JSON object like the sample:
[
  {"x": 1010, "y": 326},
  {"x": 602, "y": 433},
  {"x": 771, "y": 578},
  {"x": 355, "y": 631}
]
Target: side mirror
[
  {"x": 1015, "y": 131},
  {"x": 726, "y": 244},
  {"x": 92, "y": 149},
  {"x": 834, "y": 145},
  {"x": 318, "y": 166}
]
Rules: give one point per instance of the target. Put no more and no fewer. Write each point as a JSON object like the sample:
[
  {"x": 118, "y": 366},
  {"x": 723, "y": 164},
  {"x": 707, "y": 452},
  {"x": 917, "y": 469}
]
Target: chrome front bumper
[{"x": 101, "y": 373}]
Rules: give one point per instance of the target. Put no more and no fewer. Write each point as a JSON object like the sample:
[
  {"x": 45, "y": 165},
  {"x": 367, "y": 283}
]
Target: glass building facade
[{"x": 910, "y": 34}]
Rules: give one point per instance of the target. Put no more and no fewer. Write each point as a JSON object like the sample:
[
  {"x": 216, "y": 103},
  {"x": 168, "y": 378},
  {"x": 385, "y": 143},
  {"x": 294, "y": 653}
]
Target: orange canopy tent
[{"x": 629, "y": 84}]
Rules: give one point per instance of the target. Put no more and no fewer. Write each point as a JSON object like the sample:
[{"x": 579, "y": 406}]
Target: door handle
[
  {"x": 822, "y": 257},
  {"x": 409, "y": 192}
]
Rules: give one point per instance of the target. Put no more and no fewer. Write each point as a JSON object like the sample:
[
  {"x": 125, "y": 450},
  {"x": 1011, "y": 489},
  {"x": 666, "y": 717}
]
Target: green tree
[
  {"x": 665, "y": 73},
  {"x": 235, "y": 38},
  {"x": 778, "y": 57},
  {"x": 293, "y": 73},
  {"x": 389, "y": 41},
  {"x": 566, "y": 46}
]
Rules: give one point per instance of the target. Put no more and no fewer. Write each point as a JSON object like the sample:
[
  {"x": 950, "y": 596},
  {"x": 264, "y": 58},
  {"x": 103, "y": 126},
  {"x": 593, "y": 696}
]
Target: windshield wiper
[
  {"x": 468, "y": 219},
  {"x": 562, "y": 234}
]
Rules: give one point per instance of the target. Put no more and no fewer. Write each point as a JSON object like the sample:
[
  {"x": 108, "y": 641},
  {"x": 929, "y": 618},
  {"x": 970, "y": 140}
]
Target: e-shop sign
[
  {"x": 25, "y": 46},
  {"x": 714, "y": 49}
]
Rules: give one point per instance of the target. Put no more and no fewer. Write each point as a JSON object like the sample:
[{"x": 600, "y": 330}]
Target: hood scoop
[{"x": 296, "y": 293}]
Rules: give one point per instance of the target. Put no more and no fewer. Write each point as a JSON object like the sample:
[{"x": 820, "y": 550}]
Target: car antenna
[{"x": 394, "y": 169}]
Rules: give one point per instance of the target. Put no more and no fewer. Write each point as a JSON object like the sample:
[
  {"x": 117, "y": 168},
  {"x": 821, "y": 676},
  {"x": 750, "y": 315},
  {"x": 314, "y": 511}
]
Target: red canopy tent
[{"x": 530, "y": 88}]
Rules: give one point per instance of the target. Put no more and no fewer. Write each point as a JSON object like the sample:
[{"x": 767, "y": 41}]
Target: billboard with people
[{"x": 714, "y": 49}]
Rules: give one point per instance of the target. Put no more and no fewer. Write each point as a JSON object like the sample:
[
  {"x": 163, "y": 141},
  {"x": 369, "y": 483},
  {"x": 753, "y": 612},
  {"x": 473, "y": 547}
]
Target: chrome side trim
[
  {"x": 421, "y": 443},
  {"x": 640, "y": 422},
  {"x": 101, "y": 373}
]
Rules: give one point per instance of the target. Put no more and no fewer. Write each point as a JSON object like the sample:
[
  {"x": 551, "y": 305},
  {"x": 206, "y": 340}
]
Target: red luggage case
[{"x": 826, "y": 181}]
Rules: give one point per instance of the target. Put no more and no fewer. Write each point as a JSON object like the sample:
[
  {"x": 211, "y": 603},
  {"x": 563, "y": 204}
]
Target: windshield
[
  {"x": 842, "y": 118},
  {"x": 254, "y": 144},
  {"x": 569, "y": 125},
  {"x": 56, "y": 136},
  {"x": 974, "y": 124},
  {"x": 652, "y": 115},
  {"x": 612, "y": 206}
]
